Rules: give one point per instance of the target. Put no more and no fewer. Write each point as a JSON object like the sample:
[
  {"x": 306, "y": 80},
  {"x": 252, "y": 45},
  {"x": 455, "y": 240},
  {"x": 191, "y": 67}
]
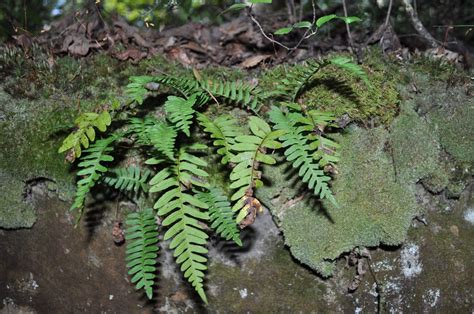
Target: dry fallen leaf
[{"x": 253, "y": 61}]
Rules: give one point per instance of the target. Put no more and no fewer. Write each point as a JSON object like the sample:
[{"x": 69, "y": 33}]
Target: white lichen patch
[
  {"x": 431, "y": 297},
  {"x": 469, "y": 215},
  {"x": 383, "y": 265},
  {"x": 410, "y": 260}
]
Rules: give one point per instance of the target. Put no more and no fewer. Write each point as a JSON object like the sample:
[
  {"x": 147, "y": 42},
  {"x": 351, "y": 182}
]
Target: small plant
[{"x": 171, "y": 157}]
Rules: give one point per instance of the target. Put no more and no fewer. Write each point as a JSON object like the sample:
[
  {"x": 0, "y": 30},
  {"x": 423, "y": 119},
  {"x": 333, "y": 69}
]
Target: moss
[
  {"x": 14, "y": 211},
  {"x": 373, "y": 207},
  {"x": 415, "y": 153},
  {"x": 340, "y": 92},
  {"x": 456, "y": 131}
]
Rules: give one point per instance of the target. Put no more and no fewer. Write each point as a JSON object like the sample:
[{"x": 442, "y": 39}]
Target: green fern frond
[
  {"x": 296, "y": 80},
  {"x": 180, "y": 112},
  {"x": 300, "y": 154},
  {"x": 131, "y": 179},
  {"x": 140, "y": 127},
  {"x": 347, "y": 65},
  {"x": 85, "y": 132},
  {"x": 237, "y": 92},
  {"x": 142, "y": 238},
  {"x": 251, "y": 151},
  {"x": 136, "y": 90},
  {"x": 220, "y": 214},
  {"x": 153, "y": 132},
  {"x": 92, "y": 169},
  {"x": 223, "y": 129},
  {"x": 185, "y": 86},
  {"x": 313, "y": 123},
  {"x": 182, "y": 210}
]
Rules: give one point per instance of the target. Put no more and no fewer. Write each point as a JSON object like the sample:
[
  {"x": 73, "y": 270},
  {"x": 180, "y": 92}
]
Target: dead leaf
[
  {"x": 80, "y": 46},
  {"x": 132, "y": 53},
  {"x": 253, "y": 61},
  {"x": 179, "y": 55}
]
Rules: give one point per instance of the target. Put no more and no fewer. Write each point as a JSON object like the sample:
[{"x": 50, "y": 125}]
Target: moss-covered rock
[
  {"x": 374, "y": 208},
  {"x": 14, "y": 211}
]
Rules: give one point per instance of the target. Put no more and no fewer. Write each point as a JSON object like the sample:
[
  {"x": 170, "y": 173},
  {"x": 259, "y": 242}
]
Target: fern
[
  {"x": 312, "y": 123},
  {"x": 237, "y": 92},
  {"x": 347, "y": 65},
  {"x": 251, "y": 152},
  {"x": 185, "y": 86},
  {"x": 180, "y": 112},
  {"x": 92, "y": 169},
  {"x": 136, "y": 90},
  {"x": 182, "y": 211},
  {"x": 153, "y": 132},
  {"x": 223, "y": 129},
  {"x": 299, "y": 153},
  {"x": 142, "y": 239},
  {"x": 85, "y": 132},
  {"x": 131, "y": 179},
  {"x": 220, "y": 214}
]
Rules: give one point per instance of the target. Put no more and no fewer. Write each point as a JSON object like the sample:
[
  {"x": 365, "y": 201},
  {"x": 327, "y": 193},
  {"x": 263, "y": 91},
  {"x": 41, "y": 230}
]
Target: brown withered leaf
[
  {"x": 253, "y": 61},
  {"x": 79, "y": 46},
  {"x": 179, "y": 55},
  {"x": 132, "y": 53}
]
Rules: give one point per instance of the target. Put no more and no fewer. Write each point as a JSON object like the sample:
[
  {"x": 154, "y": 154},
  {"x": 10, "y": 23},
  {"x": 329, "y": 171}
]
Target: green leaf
[
  {"x": 350, "y": 19},
  {"x": 235, "y": 7},
  {"x": 303, "y": 24},
  {"x": 260, "y": 1},
  {"x": 324, "y": 19},
  {"x": 283, "y": 30}
]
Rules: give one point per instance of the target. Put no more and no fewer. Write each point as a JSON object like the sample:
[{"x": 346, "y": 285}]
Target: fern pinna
[{"x": 175, "y": 176}]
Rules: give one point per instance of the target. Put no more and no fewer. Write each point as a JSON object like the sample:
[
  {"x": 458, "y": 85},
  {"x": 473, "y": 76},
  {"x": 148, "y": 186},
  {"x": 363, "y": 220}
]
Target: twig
[
  {"x": 418, "y": 25},
  {"x": 307, "y": 34},
  {"x": 389, "y": 11},
  {"x": 348, "y": 29}
]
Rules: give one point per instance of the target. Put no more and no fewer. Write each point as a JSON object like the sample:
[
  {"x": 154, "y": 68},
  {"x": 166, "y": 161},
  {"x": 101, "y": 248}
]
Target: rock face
[{"x": 418, "y": 165}]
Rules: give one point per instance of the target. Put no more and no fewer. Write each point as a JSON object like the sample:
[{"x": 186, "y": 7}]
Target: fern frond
[
  {"x": 153, "y": 132},
  {"x": 180, "y": 112},
  {"x": 296, "y": 80},
  {"x": 251, "y": 152},
  {"x": 347, "y": 65},
  {"x": 299, "y": 153},
  {"x": 140, "y": 127},
  {"x": 85, "y": 131},
  {"x": 92, "y": 169},
  {"x": 142, "y": 239},
  {"x": 182, "y": 210},
  {"x": 136, "y": 90},
  {"x": 220, "y": 214},
  {"x": 130, "y": 179},
  {"x": 237, "y": 92},
  {"x": 223, "y": 129},
  {"x": 185, "y": 86}
]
